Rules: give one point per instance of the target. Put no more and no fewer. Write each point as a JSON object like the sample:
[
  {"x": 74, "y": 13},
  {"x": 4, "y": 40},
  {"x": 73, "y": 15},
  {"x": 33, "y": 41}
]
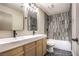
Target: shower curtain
[{"x": 58, "y": 26}]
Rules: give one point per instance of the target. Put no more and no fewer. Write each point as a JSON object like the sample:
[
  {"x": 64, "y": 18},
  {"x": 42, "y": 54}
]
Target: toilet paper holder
[{"x": 75, "y": 39}]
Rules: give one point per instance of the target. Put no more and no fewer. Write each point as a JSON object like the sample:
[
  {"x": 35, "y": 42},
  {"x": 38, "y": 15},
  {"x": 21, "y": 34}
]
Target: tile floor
[{"x": 59, "y": 52}]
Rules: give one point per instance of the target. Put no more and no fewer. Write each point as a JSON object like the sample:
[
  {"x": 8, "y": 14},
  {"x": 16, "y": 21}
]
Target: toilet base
[{"x": 50, "y": 49}]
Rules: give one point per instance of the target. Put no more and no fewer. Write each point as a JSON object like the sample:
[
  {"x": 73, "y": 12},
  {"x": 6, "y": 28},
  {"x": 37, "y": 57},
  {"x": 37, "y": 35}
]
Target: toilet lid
[{"x": 50, "y": 42}]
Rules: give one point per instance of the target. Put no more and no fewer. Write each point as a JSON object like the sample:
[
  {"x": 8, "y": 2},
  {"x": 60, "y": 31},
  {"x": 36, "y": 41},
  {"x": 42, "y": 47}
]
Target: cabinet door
[
  {"x": 29, "y": 49},
  {"x": 39, "y": 48},
  {"x": 44, "y": 46},
  {"x": 30, "y": 52},
  {"x": 13, "y": 52}
]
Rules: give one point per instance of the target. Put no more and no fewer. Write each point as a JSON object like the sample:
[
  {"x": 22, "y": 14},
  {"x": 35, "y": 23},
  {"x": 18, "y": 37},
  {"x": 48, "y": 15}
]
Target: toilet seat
[{"x": 50, "y": 42}]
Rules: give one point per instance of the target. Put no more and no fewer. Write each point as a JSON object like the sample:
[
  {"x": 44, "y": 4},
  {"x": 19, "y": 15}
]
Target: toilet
[{"x": 50, "y": 45}]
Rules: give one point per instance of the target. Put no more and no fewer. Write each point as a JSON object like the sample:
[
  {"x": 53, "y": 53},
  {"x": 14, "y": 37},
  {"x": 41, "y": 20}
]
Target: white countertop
[{"x": 9, "y": 43}]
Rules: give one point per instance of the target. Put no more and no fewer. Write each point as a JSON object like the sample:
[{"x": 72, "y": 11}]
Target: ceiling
[
  {"x": 48, "y": 8},
  {"x": 54, "y": 8},
  {"x": 17, "y": 6}
]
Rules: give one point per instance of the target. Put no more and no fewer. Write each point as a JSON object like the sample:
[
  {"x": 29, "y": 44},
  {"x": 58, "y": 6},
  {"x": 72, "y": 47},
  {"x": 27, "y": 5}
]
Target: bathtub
[{"x": 61, "y": 44}]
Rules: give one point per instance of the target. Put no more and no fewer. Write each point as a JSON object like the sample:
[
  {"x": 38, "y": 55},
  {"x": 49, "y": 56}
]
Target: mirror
[
  {"x": 11, "y": 16},
  {"x": 32, "y": 21},
  {"x": 5, "y": 21}
]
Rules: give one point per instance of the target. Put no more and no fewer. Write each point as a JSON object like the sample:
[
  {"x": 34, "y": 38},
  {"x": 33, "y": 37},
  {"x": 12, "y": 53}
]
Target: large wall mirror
[
  {"x": 32, "y": 21},
  {"x": 5, "y": 21},
  {"x": 32, "y": 17},
  {"x": 11, "y": 16}
]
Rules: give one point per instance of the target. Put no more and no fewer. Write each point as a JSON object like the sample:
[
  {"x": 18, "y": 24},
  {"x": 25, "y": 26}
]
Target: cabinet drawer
[
  {"x": 12, "y": 52},
  {"x": 29, "y": 45}
]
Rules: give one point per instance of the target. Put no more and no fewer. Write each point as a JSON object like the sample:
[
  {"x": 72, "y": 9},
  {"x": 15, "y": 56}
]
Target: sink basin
[{"x": 6, "y": 40}]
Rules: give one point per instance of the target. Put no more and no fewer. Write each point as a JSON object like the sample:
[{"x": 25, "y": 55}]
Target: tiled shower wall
[{"x": 59, "y": 26}]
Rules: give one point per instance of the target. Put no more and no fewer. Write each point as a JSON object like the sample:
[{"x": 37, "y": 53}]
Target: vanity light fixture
[{"x": 33, "y": 5}]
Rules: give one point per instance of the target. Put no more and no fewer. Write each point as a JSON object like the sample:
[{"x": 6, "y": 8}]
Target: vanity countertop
[{"x": 10, "y": 43}]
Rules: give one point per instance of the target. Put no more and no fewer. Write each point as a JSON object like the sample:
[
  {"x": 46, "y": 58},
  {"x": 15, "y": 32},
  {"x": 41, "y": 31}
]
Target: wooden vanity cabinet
[
  {"x": 39, "y": 48},
  {"x": 36, "y": 48},
  {"x": 13, "y": 52},
  {"x": 44, "y": 46}
]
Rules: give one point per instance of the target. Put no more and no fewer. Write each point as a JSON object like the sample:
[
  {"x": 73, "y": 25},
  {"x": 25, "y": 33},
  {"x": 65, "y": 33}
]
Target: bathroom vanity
[{"x": 32, "y": 45}]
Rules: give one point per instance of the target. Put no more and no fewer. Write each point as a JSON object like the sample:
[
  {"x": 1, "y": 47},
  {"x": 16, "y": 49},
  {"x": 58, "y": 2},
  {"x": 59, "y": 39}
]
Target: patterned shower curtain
[{"x": 59, "y": 26}]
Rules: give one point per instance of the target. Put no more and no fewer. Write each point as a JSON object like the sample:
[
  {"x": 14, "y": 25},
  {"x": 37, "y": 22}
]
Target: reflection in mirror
[
  {"x": 32, "y": 21},
  {"x": 11, "y": 16},
  {"x": 5, "y": 21}
]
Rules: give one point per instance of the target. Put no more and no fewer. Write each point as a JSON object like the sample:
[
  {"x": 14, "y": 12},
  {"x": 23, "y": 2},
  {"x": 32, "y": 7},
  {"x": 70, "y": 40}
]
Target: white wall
[
  {"x": 73, "y": 20},
  {"x": 40, "y": 26},
  {"x": 40, "y": 21},
  {"x": 75, "y": 28}
]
